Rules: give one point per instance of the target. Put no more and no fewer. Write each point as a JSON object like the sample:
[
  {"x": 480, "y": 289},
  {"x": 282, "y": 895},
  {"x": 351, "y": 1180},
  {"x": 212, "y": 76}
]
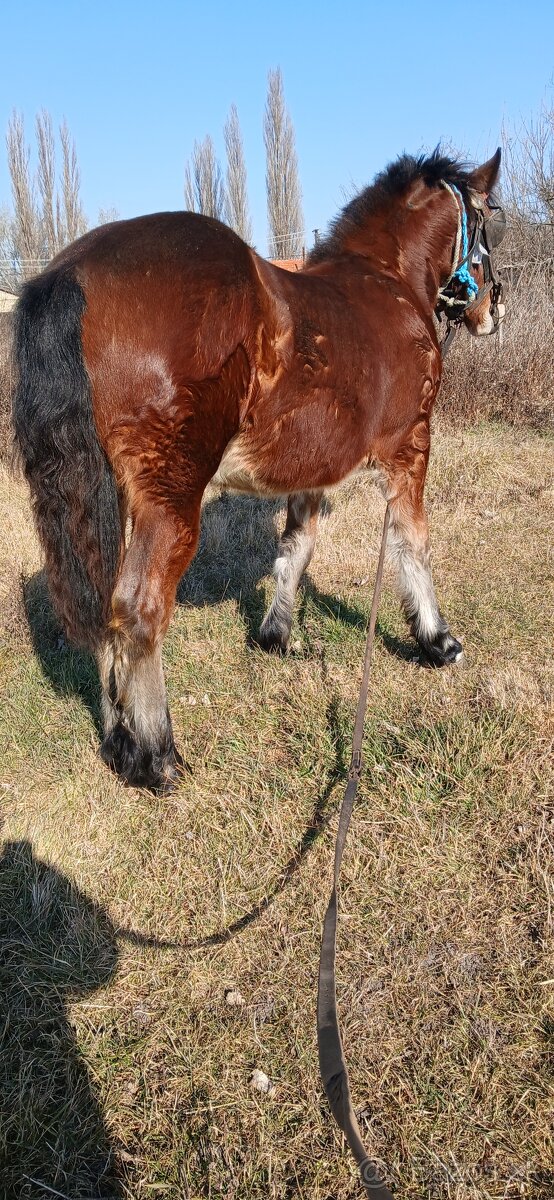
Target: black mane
[{"x": 389, "y": 184}]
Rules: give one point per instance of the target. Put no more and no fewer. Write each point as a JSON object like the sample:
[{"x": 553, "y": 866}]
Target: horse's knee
[{"x": 138, "y": 611}]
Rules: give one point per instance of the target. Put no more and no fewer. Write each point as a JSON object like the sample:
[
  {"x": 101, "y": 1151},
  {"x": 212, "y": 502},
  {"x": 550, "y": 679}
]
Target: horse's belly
[{"x": 284, "y": 466}]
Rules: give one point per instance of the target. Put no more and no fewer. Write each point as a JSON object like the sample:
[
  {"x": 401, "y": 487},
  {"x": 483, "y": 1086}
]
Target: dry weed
[{"x": 508, "y": 378}]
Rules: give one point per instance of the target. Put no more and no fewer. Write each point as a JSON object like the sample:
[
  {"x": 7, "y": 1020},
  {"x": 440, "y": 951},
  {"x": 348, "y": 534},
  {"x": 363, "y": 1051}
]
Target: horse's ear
[{"x": 483, "y": 179}]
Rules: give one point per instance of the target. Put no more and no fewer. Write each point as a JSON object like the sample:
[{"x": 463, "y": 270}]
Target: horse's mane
[{"x": 387, "y": 186}]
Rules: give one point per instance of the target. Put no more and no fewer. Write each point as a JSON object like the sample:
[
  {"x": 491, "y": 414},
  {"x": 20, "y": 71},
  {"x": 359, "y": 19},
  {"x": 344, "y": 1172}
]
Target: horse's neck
[{"x": 414, "y": 245}]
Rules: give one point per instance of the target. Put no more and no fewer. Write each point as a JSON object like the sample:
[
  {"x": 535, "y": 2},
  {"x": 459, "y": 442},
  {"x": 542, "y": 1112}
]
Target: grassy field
[{"x": 126, "y": 1071}]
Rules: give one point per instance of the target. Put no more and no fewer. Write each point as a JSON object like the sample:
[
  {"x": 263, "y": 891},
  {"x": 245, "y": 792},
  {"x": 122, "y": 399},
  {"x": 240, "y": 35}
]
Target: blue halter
[{"x": 462, "y": 273}]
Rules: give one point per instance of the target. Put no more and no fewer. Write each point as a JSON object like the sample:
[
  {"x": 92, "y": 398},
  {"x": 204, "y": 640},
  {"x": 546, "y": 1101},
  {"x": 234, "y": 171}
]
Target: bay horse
[{"x": 158, "y": 354}]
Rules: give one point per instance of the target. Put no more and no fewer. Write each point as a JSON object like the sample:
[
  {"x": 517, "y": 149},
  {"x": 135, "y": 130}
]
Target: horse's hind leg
[
  {"x": 403, "y": 485},
  {"x": 295, "y": 551},
  {"x": 138, "y": 742}
]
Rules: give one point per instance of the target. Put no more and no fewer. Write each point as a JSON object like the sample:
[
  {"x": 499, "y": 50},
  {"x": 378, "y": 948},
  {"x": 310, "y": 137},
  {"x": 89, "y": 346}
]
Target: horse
[{"x": 159, "y": 354}]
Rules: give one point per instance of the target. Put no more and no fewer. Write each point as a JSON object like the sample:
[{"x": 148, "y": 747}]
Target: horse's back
[{"x": 180, "y": 240}]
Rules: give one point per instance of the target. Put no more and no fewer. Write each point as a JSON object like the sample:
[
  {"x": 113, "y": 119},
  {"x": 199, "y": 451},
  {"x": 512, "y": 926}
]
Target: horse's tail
[{"x": 73, "y": 488}]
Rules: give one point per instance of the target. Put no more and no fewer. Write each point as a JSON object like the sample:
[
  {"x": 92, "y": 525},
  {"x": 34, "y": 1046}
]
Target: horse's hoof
[
  {"x": 156, "y": 770},
  {"x": 444, "y": 651},
  {"x": 273, "y": 640}
]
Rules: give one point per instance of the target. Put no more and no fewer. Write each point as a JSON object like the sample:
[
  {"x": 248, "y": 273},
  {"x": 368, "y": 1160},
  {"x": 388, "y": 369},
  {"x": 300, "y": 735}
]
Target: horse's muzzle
[{"x": 488, "y": 321}]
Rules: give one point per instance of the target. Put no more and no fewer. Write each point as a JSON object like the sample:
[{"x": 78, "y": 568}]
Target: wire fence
[
  {"x": 13, "y": 274},
  {"x": 287, "y": 245}
]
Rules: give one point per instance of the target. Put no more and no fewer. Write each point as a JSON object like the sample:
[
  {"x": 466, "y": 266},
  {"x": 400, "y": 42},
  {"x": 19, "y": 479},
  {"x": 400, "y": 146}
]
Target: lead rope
[{"x": 332, "y": 1065}]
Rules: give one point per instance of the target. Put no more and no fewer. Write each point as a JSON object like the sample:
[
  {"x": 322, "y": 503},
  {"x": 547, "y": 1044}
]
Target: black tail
[{"x": 72, "y": 484}]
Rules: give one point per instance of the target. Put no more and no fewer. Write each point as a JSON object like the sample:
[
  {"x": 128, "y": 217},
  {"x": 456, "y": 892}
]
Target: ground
[{"x": 126, "y": 1070}]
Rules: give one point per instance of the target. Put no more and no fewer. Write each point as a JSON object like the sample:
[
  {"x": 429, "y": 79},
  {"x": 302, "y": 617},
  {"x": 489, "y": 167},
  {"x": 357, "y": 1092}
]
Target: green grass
[{"x": 124, "y": 1072}]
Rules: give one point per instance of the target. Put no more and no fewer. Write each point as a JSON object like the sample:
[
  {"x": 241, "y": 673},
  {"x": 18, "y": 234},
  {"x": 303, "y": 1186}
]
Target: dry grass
[
  {"x": 510, "y": 379},
  {"x": 124, "y": 1071}
]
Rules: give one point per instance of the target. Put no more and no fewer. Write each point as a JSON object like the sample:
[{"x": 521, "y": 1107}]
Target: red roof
[{"x": 288, "y": 264}]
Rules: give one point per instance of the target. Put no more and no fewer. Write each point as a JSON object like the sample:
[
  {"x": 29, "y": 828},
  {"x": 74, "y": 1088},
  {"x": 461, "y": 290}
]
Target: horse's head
[{"x": 473, "y": 293}]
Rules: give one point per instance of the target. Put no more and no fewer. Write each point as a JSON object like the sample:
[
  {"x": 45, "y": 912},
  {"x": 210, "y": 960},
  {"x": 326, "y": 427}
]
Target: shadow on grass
[
  {"x": 237, "y": 549},
  {"x": 405, "y": 649},
  {"x": 224, "y": 570},
  {"x": 71, "y": 672},
  {"x": 56, "y": 946},
  {"x": 321, "y": 816}
]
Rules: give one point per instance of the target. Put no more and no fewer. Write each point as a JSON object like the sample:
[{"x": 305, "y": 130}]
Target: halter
[
  {"x": 478, "y": 250},
  {"x": 460, "y": 269}
]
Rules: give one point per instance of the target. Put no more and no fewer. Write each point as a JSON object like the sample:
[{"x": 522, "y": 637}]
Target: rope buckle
[{"x": 355, "y": 765}]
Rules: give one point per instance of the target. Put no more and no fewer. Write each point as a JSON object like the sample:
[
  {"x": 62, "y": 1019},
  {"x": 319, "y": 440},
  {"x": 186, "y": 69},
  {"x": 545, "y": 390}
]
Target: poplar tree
[{"x": 284, "y": 197}]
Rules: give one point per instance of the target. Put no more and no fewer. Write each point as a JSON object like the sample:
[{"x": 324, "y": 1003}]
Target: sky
[{"x": 139, "y": 82}]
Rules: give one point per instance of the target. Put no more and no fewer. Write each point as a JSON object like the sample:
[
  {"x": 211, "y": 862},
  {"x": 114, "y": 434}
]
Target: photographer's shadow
[{"x": 56, "y": 945}]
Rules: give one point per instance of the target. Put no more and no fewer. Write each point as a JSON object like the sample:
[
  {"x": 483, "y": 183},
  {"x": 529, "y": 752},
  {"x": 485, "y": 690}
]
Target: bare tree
[
  {"x": 204, "y": 189},
  {"x": 74, "y": 223},
  {"x": 107, "y": 215},
  {"x": 528, "y": 189},
  {"x": 236, "y": 207},
  {"x": 5, "y": 226},
  {"x": 26, "y": 231},
  {"x": 45, "y": 215},
  {"x": 529, "y": 166},
  {"x": 46, "y": 181},
  {"x": 284, "y": 198}
]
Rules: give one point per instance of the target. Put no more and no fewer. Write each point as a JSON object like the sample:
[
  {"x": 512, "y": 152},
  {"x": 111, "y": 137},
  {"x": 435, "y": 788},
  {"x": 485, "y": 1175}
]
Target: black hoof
[
  {"x": 442, "y": 652},
  {"x": 157, "y": 770},
  {"x": 273, "y": 640}
]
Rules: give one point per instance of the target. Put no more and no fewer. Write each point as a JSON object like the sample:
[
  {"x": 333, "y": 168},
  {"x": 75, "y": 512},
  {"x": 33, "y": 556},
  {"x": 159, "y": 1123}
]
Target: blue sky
[{"x": 138, "y": 82}]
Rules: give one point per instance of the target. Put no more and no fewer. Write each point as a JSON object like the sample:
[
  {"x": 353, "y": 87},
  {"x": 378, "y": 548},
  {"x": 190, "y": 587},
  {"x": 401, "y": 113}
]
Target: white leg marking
[
  {"x": 416, "y": 587},
  {"x": 110, "y": 711},
  {"x": 133, "y": 691},
  {"x": 295, "y": 551}
]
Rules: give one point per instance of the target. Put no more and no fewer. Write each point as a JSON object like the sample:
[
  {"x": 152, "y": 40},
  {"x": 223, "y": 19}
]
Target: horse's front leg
[
  {"x": 295, "y": 551},
  {"x": 403, "y": 485}
]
